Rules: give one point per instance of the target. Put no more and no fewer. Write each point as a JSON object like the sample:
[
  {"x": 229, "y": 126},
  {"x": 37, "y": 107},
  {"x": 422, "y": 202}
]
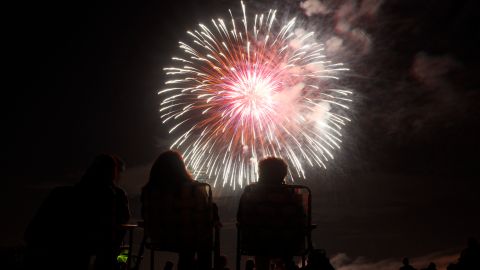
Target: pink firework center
[{"x": 240, "y": 95}]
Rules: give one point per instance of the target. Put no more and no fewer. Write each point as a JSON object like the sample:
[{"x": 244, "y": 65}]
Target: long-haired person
[{"x": 176, "y": 212}]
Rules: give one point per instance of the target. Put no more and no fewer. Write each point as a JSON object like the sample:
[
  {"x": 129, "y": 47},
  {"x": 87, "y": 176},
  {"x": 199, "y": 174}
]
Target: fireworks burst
[{"x": 245, "y": 90}]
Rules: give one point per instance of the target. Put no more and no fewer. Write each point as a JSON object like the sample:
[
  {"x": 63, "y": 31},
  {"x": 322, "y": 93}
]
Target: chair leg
[
  {"x": 152, "y": 259},
  {"x": 130, "y": 248},
  {"x": 216, "y": 247},
  {"x": 238, "y": 261},
  {"x": 239, "y": 254},
  {"x": 140, "y": 255}
]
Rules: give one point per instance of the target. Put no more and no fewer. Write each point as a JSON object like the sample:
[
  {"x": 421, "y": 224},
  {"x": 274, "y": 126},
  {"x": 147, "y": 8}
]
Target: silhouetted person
[
  {"x": 431, "y": 266},
  {"x": 406, "y": 265},
  {"x": 470, "y": 256},
  {"x": 267, "y": 204},
  {"x": 174, "y": 212},
  {"x": 318, "y": 260},
  {"x": 52, "y": 235},
  {"x": 290, "y": 264},
  {"x": 249, "y": 265},
  {"x": 452, "y": 266},
  {"x": 221, "y": 263},
  {"x": 75, "y": 223},
  {"x": 104, "y": 208},
  {"x": 168, "y": 266}
]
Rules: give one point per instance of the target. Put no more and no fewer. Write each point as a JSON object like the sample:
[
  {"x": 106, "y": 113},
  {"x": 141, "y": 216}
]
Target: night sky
[{"x": 82, "y": 78}]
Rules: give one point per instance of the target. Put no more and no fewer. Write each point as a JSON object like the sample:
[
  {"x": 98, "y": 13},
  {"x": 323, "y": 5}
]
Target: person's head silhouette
[
  {"x": 317, "y": 257},
  {"x": 168, "y": 265},
  {"x": 169, "y": 169},
  {"x": 103, "y": 171},
  {"x": 249, "y": 265},
  {"x": 472, "y": 242},
  {"x": 272, "y": 171},
  {"x": 405, "y": 261}
]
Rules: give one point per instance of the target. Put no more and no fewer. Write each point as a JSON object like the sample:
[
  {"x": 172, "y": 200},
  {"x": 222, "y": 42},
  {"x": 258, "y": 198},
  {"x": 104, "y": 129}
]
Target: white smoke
[
  {"x": 349, "y": 17},
  {"x": 442, "y": 259},
  {"x": 314, "y": 7},
  {"x": 431, "y": 70},
  {"x": 287, "y": 100},
  {"x": 334, "y": 45},
  {"x": 370, "y": 7}
]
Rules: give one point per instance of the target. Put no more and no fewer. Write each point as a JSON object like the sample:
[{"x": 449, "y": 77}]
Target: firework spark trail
[{"x": 245, "y": 92}]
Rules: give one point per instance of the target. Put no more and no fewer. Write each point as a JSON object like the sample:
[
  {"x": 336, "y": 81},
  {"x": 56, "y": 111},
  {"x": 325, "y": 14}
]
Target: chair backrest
[
  {"x": 274, "y": 220},
  {"x": 180, "y": 219}
]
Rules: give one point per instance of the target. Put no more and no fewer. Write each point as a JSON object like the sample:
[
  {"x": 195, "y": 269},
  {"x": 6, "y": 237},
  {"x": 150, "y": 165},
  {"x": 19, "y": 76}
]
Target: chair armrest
[{"x": 128, "y": 227}]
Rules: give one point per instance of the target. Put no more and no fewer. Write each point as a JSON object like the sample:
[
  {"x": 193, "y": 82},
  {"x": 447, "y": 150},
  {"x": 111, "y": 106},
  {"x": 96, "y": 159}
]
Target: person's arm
[
  {"x": 216, "y": 218},
  {"x": 123, "y": 207},
  {"x": 241, "y": 206},
  {"x": 143, "y": 203}
]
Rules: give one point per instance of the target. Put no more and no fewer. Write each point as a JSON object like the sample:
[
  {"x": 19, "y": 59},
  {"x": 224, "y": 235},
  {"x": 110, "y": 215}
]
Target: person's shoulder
[
  {"x": 194, "y": 183},
  {"x": 251, "y": 187},
  {"x": 119, "y": 193},
  {"x": 255, "y": 192},
  {"x": 62, "y": 191},
  {"x": 119, "y": 190},
  {"x": 148, "y": 189},
  {"x": 198, "y": 187},
  {"x": 270, "y": 188}
]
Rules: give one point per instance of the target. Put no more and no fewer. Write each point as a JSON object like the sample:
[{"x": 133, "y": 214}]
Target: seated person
[
  {"x": 271, "y": 215},
  {"x": 77, "y": 222},
  {"x": 177, "y": 213},
  {"x": 103, "y": 208}
]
